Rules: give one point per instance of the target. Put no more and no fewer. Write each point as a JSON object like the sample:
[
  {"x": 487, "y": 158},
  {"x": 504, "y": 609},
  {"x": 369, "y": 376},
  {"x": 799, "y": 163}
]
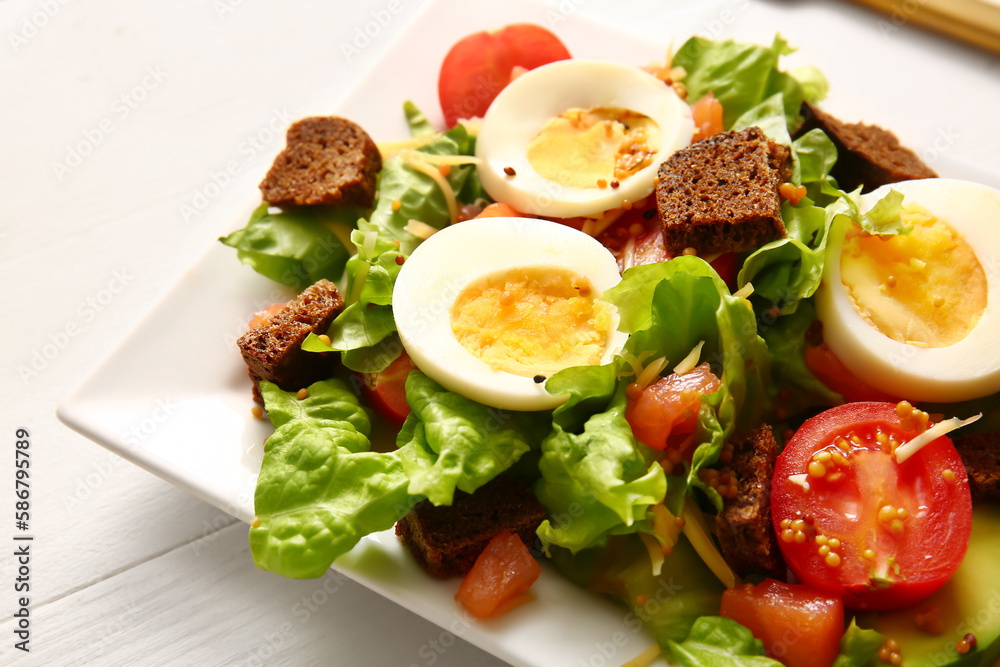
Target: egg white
[
  {"x": 442, "y": 266},
  {"x": 964, "y": 370},
  {"x": 525, "y": 105}
]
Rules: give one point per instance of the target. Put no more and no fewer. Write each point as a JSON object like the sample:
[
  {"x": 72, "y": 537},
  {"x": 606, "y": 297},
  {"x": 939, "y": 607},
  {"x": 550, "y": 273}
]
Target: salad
[{"x": 629, "y": 499}]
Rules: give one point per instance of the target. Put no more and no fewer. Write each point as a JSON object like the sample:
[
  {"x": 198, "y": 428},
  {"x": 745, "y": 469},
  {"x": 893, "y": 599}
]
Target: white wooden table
[{"x": 114, "y": 116}]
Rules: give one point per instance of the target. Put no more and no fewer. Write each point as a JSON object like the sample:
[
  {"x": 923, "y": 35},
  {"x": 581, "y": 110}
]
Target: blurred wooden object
[{"x": 975, "y": 21}]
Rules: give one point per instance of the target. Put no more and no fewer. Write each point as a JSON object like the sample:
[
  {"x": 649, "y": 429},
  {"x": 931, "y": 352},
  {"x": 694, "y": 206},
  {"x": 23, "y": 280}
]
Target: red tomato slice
[
  {"x": 502, "y": 572},
  {"x": 799, "y": 626},
  {"x": 500, "y": 210},
  {"x": 386, "y": 391},
  {"x": 262, "y": 317},
  {"x": 830, "y": 370},
  {"x": 669, "y": 406},
  {"x": 727, "y": 265},
  {"x": 875, "y": 532},
  {"x": 479, "y": 66},
  {"x": 707, "y": 116}
]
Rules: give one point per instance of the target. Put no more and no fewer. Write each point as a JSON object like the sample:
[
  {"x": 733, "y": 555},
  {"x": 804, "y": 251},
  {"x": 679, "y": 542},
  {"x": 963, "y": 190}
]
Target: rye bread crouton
[
  {"x": 867, "y": 155},
  {"x": 326, "y": 160},
  {"x": 272, "y": 350},
  {"x": 721, "y": 194},
  {"x": 980, "y": 454},
  {"x": 744, "y": 528},
  {"x": 447, "y": 540}
]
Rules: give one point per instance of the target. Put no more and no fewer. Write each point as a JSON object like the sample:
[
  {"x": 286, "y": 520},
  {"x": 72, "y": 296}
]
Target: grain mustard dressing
[
  {"x": 926, "y": 288},
  {"x": 594, "y": 148}
]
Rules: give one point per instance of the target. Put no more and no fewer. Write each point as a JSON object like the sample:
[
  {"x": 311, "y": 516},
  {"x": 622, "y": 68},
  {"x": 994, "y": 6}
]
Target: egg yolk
[
  {"x": 926, "y": 288},
  {"x": 531, "y": 321},
  {"x": 594, "y": 148}
]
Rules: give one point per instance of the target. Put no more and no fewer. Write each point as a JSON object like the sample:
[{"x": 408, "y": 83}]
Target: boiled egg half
[
  {"x": 576, "y": 138},
  {"x": 918, "y": 315},
  {"x": 491, "y": 307}
]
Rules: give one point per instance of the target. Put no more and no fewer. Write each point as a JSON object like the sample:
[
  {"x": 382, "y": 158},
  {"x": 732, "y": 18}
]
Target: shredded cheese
[
  {"x": 911, "y": 447},
  {"x": 607, "y": 220},
  {"x": 655, "y": 552},
  {"x": 448, "y": 159},
  {"x": 635, "y": 362},
  {"x": 628, "y": 254},
  {"x": 420, "y": 229},
  {"x": 696, "y": 531},
  {"x": 689, "y": 362},
  {"x": 744, "y": 292},
  {"x": 651, "y": 372},
  {"x": 387, "y": 148},
  {"x": 645, "y": 658},
  {"x": 801, "y": 479},
  {"x": 418, "y": 161},
  {"x": 343, "y": 233}
]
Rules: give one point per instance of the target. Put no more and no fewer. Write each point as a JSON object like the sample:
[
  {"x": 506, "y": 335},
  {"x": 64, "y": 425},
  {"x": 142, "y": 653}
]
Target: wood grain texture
[{"x": 128, "y": 570}]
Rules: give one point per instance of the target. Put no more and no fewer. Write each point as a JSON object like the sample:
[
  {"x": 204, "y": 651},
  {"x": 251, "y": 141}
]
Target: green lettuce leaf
[
  {"x": 451, "y": 442},
  {"x": 320, "y": 489},
  {"x": 788, "y": 270},
  {"x": 295, "y": 247},
  {"x": 858, "y": 647},
  {"x": 418, "y": 194},
  {"x": 415, "y": 118},
  {"x": 720, "y": 642},
  {"x": 327, "y": 401},
  {"x": 769, "y": 116},
  {"x": 668, "y": 309},
  {"x": 815, "y": 87},
  {"x": 667, "y": 604},
  {"x": 741, "y": 76},
  {"x": 596, "y": 483},
  {"x": 786, "y": 343}
]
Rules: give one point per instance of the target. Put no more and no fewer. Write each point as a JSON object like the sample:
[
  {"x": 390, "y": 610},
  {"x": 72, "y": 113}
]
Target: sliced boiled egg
[
  {"x": 491, "y": 307},
  {"x": 918, "y": 315},
  {"x": 576, "y": 138}
]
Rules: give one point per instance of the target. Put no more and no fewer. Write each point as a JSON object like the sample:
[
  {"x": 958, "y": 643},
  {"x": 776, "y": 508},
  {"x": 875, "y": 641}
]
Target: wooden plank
[{"x": 206, "y": 604}]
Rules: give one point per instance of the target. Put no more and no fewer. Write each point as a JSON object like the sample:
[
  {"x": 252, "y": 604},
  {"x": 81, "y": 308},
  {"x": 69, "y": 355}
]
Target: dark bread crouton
[
  {"x": 980, "y": 453},
  {"x": 447, "y": 540},
  {"x": 721, "y": 194},
  {"x": 272, "y": 351},
  {"x": 867, "y": 155},
  {"x": 746, "y": 535},
  {"x": 327, "y": 160}
]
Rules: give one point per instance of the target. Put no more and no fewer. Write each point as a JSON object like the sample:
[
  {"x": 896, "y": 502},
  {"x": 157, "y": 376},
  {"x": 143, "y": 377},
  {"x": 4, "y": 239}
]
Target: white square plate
[{"x": 174, "y": 397}]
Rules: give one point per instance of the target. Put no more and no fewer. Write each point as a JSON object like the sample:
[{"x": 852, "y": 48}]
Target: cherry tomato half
[
  {"x": 855, "y": 523},
  {"x": 479, "y": 66},
  {"x": 386, "y": 390}
]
